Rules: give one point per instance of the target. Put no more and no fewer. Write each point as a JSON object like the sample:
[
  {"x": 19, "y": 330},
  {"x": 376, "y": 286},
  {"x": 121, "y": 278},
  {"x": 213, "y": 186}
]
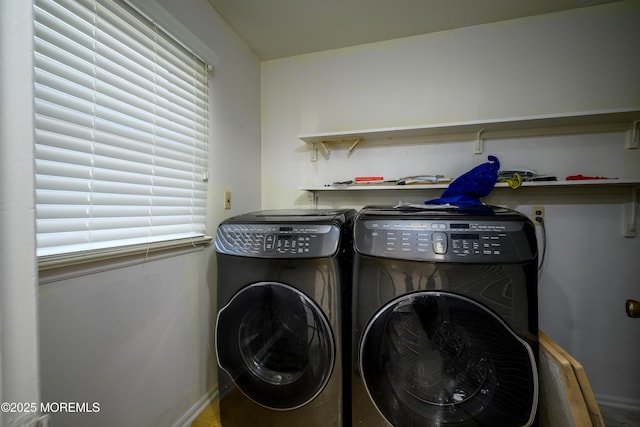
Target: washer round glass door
[
  {"x": 436, "y": 358},
  {"x": 276, "y": 345}
]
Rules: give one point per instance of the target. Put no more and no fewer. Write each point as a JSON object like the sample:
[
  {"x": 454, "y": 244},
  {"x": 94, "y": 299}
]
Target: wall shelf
[
  {"x": 614, "y": 120},
  {"x": 626, "y": 119},
  {"x": 631, "y": 182}
]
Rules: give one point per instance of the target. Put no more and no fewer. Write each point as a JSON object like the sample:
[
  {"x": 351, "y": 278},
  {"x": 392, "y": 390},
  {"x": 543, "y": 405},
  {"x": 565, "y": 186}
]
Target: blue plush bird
[{"x": 470, "y": 186}]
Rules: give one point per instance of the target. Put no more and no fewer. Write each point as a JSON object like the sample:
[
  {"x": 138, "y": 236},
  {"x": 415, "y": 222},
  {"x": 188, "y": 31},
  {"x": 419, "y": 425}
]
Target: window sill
[{"x": 59, "y": 267}]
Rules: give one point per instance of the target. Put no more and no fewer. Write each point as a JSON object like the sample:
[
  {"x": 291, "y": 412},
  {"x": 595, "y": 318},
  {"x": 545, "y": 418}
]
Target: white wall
[
  {"x": 558, "y": 63},
  {"x": 137, "y": 336}
]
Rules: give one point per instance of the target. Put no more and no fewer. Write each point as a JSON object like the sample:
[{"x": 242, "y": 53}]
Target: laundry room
[{"x": 130, "y": 340}]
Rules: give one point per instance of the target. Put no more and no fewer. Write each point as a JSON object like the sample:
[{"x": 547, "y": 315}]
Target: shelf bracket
[
  {"x": 325, "y": 148},
  {"x": 314, "y": 152},
  {"x": 633, "y": 141},
  {"x": 353, "y": 146},
  {"x": 478, "y": 144},
  {"x": 631, "y": 213}
]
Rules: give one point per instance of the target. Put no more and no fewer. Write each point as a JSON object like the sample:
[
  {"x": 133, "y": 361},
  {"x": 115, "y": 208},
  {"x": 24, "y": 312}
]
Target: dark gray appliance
[
  {"x": 283, "y": 277},
  {"x": 445, "y": 323}
]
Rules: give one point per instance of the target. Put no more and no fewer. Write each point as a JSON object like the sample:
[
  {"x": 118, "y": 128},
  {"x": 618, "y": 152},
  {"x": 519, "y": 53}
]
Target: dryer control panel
[
  {"x": 443, "y": 240},
  {"x": 278, "y": 240}
]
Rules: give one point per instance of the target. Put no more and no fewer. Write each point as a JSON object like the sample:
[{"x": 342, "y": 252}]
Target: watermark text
[{"x": 50, "y": 407}]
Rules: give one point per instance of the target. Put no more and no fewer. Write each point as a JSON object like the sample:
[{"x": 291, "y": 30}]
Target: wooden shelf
[
  {"x": 625, "y": 119},
  {"x": 631, "y": 182}
]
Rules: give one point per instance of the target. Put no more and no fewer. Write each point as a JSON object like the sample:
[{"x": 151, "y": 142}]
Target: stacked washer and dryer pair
[{"x": 388, "y": 316}]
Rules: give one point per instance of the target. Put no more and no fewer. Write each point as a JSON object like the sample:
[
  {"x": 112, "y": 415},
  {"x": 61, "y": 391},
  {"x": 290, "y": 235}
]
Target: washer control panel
[
  {"x": 443, "y": 240},
  {"x": 278, "y": 240}
]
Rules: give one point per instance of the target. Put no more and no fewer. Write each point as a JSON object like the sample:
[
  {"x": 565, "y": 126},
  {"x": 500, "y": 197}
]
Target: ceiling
[{"x": 281, "y": 28}]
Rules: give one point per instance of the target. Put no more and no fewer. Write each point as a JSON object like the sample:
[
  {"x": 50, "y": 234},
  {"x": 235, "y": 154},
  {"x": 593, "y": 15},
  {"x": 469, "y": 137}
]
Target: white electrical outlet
[
  {"x": 537, "y": 213},
  {"x": 227, "y": 199}
]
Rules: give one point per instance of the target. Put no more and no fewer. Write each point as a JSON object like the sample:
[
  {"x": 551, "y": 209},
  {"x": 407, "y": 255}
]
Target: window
[{"x": 121, "y": 115}]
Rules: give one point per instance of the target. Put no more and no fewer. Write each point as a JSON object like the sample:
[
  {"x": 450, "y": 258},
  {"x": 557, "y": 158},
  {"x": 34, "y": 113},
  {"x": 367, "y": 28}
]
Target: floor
[
  {"x": 614, "y": 417},
  {"x": 210, "y": 417}
]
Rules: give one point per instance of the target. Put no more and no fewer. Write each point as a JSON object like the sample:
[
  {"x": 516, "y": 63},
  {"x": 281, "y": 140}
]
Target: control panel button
[
  {"x": 439, "y": 243},
  {"x": 269, "y": 242}
]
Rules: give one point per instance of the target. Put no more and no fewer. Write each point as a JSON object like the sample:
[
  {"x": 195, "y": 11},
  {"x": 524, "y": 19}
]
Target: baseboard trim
[
  {"x": 618, "y": 402},
  {"x": 188, "y": 417}
]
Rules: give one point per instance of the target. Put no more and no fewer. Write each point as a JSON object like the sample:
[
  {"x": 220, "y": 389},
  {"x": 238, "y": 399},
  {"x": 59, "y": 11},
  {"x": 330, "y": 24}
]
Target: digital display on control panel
[
  {"x": 286, "y": 229},
  {"x": 459, "y": 226},
  {"x": 465, "y": 236}
]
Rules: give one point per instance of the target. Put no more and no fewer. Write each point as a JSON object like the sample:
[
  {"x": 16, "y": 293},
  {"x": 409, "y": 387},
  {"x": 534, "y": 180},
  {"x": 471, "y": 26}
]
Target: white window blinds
[{"x": 121, "y": 130}]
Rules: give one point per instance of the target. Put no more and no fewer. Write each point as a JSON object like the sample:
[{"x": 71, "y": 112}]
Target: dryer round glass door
[
  {"x": 276, "y": 345},
  {"x": 437, "y": 358}
]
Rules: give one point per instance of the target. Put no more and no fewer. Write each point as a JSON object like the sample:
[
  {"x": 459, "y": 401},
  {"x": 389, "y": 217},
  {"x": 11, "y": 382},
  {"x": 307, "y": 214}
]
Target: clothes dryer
[
  {"x": 445, "y": 318},
  {"x": 283, "y": 277}
]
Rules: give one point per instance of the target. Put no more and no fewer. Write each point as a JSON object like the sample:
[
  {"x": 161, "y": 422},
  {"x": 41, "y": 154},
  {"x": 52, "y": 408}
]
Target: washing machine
[
  {"x": 283, "y": 280},
  {"x": 445, "y": 326}
]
